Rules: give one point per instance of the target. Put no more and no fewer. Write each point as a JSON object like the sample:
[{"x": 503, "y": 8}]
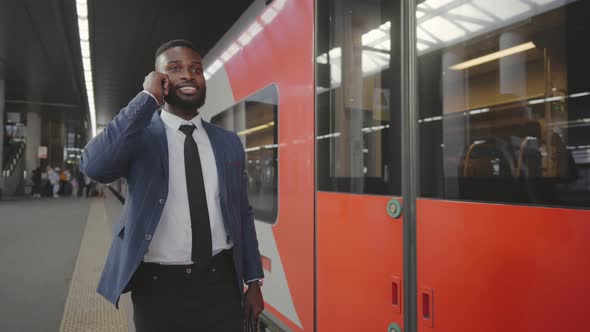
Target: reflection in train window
[
  {"x": 255, "y": 121},
  {"x": 504, "y": 101},
  {"x": 357, "y": 119}
]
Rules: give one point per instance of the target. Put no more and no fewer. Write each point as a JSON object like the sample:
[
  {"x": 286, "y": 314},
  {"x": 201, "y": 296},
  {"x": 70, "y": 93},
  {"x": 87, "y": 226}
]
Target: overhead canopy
[
  {"x": 40, "y": 47},
  {"x": 126, "y": 35}
]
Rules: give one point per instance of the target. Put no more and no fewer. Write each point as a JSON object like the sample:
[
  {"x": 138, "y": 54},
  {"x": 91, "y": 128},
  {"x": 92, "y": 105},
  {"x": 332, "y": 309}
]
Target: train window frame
[
  {"x": 262, "y": 213},
  {"x": 358, "y": 130}
]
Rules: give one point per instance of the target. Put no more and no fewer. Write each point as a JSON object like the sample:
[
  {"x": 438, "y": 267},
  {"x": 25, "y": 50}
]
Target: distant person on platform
[
  {"x": 36, "y": 182},
  {"x": 53, "y": 177},
  {"x": 186, "y": 242}
]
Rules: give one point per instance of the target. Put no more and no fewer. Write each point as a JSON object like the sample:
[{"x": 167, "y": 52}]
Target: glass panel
[
  {"x": 358, "y": 131},
  {"x": 255, "y": 121},
  {"x": 504, "y": 100}
]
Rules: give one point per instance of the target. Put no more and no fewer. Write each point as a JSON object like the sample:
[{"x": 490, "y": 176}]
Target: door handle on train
[
  {"x": 426, "y": 306},
  {"x": 396, "y": 294}
]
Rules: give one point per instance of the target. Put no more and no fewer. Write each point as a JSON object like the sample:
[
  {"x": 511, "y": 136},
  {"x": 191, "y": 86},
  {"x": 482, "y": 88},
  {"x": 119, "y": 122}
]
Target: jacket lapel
[{"x": 158, "y": 132}]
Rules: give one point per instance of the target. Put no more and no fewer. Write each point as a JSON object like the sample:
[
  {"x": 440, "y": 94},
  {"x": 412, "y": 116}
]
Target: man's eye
[{"x": 174, "y": 68}]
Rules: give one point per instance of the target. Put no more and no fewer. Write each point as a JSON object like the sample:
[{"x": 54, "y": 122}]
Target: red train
[{"x": 414, "y": 165}]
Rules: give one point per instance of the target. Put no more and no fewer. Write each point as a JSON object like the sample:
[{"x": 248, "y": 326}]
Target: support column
[
  {"x": 2, "y": 104},
  {"x": 33, "y": 135},
  {"x": 513, "y": 78}
]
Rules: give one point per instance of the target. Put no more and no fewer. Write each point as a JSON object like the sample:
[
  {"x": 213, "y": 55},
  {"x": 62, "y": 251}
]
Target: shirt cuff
[
  {"x": 249, "y": 281},
  {"x": 145, "y": 91}
]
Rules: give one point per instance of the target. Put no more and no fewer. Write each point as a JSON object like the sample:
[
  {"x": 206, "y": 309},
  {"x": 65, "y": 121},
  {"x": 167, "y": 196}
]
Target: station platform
[{"x": 49, "y": 275}]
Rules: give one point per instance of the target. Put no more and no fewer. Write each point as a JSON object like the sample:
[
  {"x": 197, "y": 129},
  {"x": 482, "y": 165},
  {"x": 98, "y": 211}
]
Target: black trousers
[{"x": 181, "y": 298}]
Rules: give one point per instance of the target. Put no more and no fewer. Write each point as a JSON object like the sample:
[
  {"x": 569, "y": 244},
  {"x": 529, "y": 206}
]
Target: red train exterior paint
[
  {"x": 263, "y": 62},
  {"x": 359, "y": 254},
  {"x": 501, "y": 267}
]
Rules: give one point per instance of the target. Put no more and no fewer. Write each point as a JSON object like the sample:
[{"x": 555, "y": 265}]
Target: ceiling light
[
  {"x": 245, "y": 38},
  {"x": 335, "y": 53},
  {"x": 269, "y": 15},
  {"x": 85, "y": 47},
  {"x": 279, "y": 4},
  {"x": 215, "y": 66},
  {"x": 537, "y": 101},
  {"x": 255, "y": 29},
  {"x": 87, "y": 64},
  {"x": 494, "y": 56},
  {"x": 82, "y": 11},
  {"x": 257, "y": 128},
  {"x": 372, "y": 36},
  {"x": 581, "y": 94},
  {"x": 230, "y": 52},
  {"x": 385, "y": 26}
]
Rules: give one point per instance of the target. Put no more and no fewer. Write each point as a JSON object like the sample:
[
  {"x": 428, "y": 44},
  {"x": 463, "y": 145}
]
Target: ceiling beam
[{"x": 40, "y": 103}]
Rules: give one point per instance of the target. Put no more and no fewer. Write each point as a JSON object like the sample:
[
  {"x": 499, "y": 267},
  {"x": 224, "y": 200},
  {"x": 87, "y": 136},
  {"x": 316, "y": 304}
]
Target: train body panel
[
  {"x": 325, "y": 123},
  {"x": 284, "y": 30},
  {"x": 360, "y": 263},
  {"x": 492, "y": 266}
]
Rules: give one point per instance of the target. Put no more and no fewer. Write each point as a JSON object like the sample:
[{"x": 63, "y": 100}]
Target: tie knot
[{"x": 187, "y": 129}]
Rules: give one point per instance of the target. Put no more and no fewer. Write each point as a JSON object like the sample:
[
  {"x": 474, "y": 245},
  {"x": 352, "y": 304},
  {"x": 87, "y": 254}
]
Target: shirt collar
[{"x": 174, "y": 122}]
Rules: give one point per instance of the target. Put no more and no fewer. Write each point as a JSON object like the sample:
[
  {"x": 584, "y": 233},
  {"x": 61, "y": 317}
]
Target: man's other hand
[
  {"x": 157, "y": 84},
  {"x": 254, "y": 302}
]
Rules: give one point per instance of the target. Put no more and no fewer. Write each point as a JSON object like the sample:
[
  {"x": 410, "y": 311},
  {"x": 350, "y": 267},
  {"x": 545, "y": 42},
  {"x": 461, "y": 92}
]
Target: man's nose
[{"x": 188, "y": 75}]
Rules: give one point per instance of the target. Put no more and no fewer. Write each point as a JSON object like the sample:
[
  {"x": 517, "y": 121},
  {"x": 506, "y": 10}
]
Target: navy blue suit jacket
[{"x": 134, "y": 146}]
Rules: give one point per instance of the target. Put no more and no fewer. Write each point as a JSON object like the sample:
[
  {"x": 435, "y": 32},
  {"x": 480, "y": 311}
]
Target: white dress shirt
[{"x": 172, "y": 241}]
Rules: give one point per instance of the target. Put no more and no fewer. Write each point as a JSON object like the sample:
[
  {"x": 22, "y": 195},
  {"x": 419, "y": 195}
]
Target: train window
[
  {"x": 357, "y": 94},
  {"x": 504, "y": 100},
  {"x": 255, "y": 121}
]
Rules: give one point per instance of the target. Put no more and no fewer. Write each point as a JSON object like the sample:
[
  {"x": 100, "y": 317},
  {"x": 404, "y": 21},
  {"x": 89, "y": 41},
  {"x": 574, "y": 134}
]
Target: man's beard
[{"x": 190, "y": 105}]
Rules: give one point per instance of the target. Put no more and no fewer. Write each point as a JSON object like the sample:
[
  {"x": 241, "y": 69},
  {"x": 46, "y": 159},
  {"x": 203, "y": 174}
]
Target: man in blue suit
[{"x": 185, "y": 244}]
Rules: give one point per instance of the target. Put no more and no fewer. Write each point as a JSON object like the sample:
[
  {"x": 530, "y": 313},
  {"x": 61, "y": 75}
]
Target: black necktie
[{"x": 197, "y": 201}]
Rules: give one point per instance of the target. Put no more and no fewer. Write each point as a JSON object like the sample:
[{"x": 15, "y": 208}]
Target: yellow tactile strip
[{"x": 85, "y": 310}]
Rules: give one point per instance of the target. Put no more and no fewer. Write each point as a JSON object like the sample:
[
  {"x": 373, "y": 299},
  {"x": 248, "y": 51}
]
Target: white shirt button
[
  {"x": 162, "y": 201},
  {"x": 148, "y": 237}
]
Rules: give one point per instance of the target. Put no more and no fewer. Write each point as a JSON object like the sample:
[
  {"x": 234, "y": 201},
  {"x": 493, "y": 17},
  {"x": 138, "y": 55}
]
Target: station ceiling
[{"x": 40, "y": 48}]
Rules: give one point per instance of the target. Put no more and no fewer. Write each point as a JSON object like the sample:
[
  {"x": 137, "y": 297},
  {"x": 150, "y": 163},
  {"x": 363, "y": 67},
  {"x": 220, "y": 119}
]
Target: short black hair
[{"x": 174, "y": 43}]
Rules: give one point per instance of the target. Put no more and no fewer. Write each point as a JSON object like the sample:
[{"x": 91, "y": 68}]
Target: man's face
[{"x": 184, "y": 67}]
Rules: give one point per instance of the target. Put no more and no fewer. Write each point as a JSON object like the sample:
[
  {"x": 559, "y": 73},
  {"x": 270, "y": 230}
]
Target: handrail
[{"x": 13, "y": 159}]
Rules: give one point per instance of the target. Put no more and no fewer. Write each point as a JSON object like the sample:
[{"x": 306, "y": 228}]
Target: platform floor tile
[{"x": 85, "y": 310}]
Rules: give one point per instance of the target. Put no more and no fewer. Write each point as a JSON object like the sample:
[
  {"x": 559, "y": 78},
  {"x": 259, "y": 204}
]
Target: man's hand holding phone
[{"x": 157, "y": 84}]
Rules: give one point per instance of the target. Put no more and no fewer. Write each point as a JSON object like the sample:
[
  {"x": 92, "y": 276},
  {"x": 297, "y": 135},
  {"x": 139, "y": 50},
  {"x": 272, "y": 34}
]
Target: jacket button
[
  {"x": 148, "y": 237},
  {"x": 162, "y": 201}
]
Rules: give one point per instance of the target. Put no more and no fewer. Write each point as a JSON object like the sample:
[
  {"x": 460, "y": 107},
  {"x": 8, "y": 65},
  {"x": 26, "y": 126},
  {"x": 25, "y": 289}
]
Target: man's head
[{"x": 183, "y": 64}]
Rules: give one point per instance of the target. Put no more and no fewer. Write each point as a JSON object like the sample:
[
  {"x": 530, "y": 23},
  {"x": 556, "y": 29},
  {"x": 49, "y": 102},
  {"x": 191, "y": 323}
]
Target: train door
[
  {"x": 359, "y": 254},
  {"x": 502, "y": 218}
]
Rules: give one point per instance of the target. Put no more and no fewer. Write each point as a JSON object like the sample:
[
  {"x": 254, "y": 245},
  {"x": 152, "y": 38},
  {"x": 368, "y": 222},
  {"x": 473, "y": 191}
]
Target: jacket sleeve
[
  {"x": 107, "y": 156},
  {"x": 252, "y": 262}
]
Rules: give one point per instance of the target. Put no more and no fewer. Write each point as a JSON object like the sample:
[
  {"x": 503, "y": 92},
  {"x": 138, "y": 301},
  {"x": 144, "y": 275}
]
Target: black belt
[{"x": 220, "y": 263}]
